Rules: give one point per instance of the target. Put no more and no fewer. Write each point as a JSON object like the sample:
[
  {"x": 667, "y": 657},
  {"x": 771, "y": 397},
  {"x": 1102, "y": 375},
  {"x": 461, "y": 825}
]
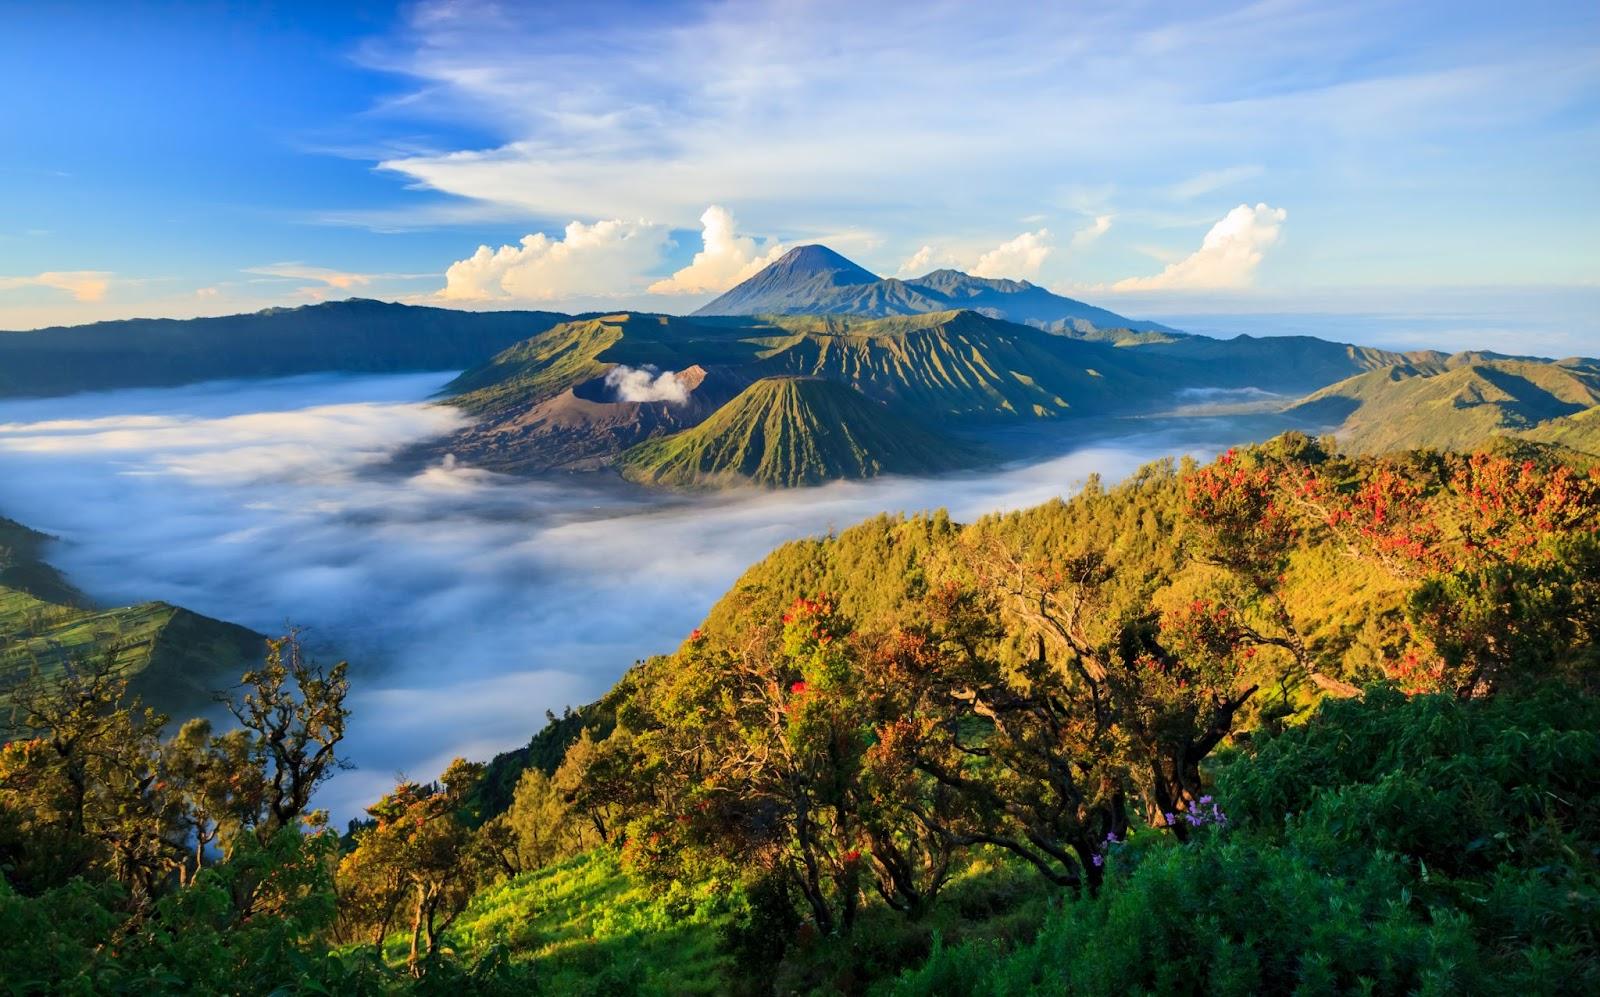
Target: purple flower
[{"x": 1098, "y": 860}]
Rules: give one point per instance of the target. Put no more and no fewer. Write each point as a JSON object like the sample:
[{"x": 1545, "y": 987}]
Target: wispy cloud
[
  {"x": 823, "y": 116},
  {"x": 83, "y": 285},
  {"x": 1212, "y": 180},
  {"x": 1088, "y": 234},
  {"x": 327, "y": 280}
]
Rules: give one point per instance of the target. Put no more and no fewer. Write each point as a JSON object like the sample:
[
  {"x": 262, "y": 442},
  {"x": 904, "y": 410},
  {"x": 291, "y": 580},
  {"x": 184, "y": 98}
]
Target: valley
[{"x": 467, "y": 601}]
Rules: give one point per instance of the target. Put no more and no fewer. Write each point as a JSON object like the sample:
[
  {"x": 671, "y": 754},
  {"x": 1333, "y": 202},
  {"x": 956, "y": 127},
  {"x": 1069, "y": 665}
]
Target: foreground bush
[{"x": 1390, "y": 845}]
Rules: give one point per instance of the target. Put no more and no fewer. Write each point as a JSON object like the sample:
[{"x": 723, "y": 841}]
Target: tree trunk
[{"x": 412, "y": 960}]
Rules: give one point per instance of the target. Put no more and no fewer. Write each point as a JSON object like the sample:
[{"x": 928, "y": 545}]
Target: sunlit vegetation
[
  {"x": 1286, "y": 722},
  {"x": 788, "y": 431},
  {"x": 170, "y": 655}
]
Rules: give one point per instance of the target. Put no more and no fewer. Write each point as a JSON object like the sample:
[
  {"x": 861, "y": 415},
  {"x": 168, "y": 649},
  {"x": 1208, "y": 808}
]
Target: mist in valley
[{"x": 468, "y": 602}]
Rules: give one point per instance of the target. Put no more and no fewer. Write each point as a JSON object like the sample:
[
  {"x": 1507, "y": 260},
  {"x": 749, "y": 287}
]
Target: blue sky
[{"x": 1416, "y": 173}]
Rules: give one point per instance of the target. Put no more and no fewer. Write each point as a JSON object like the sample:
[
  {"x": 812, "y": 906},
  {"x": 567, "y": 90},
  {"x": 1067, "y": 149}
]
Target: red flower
[{"x": 799, "y": 688}]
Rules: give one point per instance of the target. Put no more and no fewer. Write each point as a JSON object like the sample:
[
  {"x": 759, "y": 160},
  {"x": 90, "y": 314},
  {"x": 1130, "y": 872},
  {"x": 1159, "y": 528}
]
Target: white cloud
[
  {"x": 1092, "y": 231},
  {"x": 1228, "y": 257},
  {"x": 1205, "y": 183},
  {"x": 646, "y": 384},
  {"x": 600, "y": 260},
  {"x": 927, "y": 259},
  {"x": 329, "y": 281},
  {"x": 337, "y": 279},
  {"x": 917, "y": 263},
  {"x": 83, "y": 285},
  {"x": 1016, "y": 258},
  {"x": 727, "y": 258}
]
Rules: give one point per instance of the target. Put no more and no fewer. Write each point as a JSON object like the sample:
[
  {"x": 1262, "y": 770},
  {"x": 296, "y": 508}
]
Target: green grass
[
  {"x": 175, "y": 658},
  {"x": 595, "y": 929},
  {"x": 1460, "y": 405}
]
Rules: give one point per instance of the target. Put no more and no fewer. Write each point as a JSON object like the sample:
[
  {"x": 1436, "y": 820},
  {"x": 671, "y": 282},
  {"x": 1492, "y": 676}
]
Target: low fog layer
[{"x": 467, "y": 602}]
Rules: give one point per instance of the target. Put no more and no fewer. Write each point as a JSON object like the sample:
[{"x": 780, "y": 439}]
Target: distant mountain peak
[
  {"x": 815, "y": 280},
  {"x": 804, "y": 274},
  {"x": 804, "y": 262}
]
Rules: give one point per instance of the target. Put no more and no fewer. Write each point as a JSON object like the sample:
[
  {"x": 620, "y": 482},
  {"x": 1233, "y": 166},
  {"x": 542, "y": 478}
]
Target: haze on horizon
[{"x": 1416, "y": 175}]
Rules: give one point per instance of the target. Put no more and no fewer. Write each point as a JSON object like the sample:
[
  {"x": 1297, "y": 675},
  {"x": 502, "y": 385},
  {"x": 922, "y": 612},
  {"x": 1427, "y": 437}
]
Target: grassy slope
[
  {"x": 573, "y": 352},
  {"x": 948, "y": 366},
  {"x": 176, "y": 657},
  {"x": 789, "y": 431},
  {"x": 1579, "y": 432},
  {"x": 536, "y": 368},
  {"x": 595, "y": 929},
  {"x": 1459, "y": 406}
]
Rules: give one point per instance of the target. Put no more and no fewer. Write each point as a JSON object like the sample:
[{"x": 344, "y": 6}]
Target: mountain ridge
[
  {"x": 788, "y": 431},
  {"x": 1460, "y": 402},
  {"x": 813, "y": 279},
  {"x": 356, "y": 335}
]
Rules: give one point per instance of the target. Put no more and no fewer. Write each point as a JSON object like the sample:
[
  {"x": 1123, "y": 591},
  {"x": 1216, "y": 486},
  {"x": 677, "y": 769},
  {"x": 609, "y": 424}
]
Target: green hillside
[
  {"x": 1579, "y": 432},
  {"x": 545, "y": 403},
  {"x": 593, "y": 928},
  {"x": 572, "y": 352},
  {"x": 787, "y": 431},
  {"x": 176, "y": 657},
  {"x": 962, "y": 366},
  {"x": 1460, "y": 402},
  {"x": 1289, "y": 722}
]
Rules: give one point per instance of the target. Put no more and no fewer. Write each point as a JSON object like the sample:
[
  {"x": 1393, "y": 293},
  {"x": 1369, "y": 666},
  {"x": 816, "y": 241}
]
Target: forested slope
[{"x": 1288, "y": 721}]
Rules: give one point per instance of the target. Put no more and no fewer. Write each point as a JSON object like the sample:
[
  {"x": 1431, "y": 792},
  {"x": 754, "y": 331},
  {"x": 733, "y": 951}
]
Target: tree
[
  {"x": 221, "y": 783},
  {"x": 597, "y": 780},
  {"x": 420, "y": 853},
  {"x": 294, "y": 713},
  {"x": 1501, "y": 556},
  {"x": 753, "y": 751},
  {"x": 542, "y": 828},
  {"x": 84, "y": 782}
]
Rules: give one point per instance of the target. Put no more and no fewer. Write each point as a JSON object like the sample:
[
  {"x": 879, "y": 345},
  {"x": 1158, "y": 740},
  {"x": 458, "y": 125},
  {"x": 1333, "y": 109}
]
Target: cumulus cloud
[
  {"x": 455, "y": 593},
  {"x": 646, "y": 384},
  {"x": 1228, "y": 257},
  {"x": 1017, "y": 258},
  {"x": 727, "y": 258},
  {"x": 83, "y": 285},
  {"x": 1092, "y": 231},
  {"x": 916, "y": 263},
  {"x": 925, "y": 260},
  {"x": 600, "y": 260}
]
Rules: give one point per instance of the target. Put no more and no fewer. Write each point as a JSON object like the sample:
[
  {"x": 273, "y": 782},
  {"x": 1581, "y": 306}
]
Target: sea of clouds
[{"x": 467, "y": 602}]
